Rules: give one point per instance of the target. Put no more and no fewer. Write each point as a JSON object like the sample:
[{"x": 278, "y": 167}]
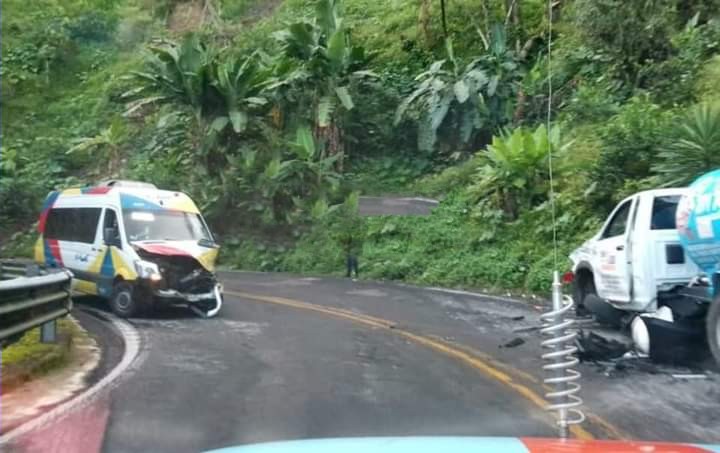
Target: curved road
[{"x": 295, "y": 358}]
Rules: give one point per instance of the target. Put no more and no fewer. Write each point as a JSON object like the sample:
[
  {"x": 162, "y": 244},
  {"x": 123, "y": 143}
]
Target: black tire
[
  {"x": 712, "y": 327},
  {"x": 124, "y": 301},
  {"x": 583, "y": 287}
]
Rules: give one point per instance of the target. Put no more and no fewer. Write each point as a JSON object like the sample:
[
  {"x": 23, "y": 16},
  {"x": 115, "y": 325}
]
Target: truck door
[{"x": 613, "y": 275}]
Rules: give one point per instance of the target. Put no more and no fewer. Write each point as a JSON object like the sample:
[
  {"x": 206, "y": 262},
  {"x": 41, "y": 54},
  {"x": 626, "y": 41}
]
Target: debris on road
[
  {"x": 690, "y": 376},
  {"x": 526, "y": 329},
  {"x": 593, "y": 347},
  {"x": 515, "y": 342}
]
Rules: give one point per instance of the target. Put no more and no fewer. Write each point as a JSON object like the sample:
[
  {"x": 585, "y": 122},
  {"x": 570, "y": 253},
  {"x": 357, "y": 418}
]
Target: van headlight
[{"x": 148, "y": 270}]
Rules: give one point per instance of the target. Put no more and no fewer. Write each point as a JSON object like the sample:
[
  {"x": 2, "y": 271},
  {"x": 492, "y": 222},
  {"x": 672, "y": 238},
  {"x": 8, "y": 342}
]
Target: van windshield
[{"x": 141, "y": 225}]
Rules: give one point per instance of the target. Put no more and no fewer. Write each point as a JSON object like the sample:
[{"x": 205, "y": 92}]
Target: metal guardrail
[
  {"x": 30, "y": 297},
  {"x": 12, "y": 269}
]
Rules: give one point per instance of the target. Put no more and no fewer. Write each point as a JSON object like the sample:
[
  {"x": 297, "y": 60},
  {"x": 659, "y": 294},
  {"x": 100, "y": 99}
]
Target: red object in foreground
[
  {"x": 568, "y": 277},
  {"x": 535, "y": 445}
]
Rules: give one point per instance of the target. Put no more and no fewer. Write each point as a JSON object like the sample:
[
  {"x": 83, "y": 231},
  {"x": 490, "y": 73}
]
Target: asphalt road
[{"x": 271, "y": 367}]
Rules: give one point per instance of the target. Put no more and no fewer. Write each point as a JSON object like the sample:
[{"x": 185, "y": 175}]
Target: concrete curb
[{"x": 131, "y": 339}]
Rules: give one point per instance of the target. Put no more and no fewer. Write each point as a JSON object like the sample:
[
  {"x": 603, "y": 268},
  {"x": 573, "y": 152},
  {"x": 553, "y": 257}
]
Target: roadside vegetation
[
  {"x": 274, "y": 116},
  {"x": 29, "y": 358}
]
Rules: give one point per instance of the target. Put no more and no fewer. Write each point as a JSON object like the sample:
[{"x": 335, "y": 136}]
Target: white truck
[{"x": 639, "y": 263}]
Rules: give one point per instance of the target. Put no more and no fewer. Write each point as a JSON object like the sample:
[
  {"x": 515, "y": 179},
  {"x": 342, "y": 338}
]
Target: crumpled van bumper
[{"x": 193, "y": 300}]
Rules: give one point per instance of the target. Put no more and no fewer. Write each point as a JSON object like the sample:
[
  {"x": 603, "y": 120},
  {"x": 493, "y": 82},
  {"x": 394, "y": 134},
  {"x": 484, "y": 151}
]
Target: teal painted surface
[{"x": 388, "y": 445}]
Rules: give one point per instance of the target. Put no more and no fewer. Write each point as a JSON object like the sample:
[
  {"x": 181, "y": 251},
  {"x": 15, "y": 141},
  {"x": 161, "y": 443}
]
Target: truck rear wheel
[{"x": 713, "y": 328}]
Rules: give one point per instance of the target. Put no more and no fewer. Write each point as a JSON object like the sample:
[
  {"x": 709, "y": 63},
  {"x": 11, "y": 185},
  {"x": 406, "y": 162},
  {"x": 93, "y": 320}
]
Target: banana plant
[
  {"x": 240, "y": 83},
  {"x": 174, "y": 72},
  {"x": 514, "y": 168},
  {"x": 329, "y": 63},
  {"x": 466, "y": 100}
]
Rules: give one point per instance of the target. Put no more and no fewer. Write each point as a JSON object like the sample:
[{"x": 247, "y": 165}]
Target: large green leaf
[
  {"x": 345, "y": 97},
  {"x": 239, "y": 120},
  {"x": 421, "y": 90},
  {"x": 326, "y": 13},
  {"x": 254, "y": 100},
  {"x": 306, "y": 142},
  {"x": 219, "y": 123},
  {"x": 337, "y": 48},
  {"x": 462, "y": 91},
  {"x": 439, "y": 111}
]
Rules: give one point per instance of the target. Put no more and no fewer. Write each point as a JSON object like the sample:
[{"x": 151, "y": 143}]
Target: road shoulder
[{"x": 41, "y": 376}]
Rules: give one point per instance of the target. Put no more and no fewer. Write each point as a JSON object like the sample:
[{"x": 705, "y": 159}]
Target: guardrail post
[{"x": 48, "y": 332}]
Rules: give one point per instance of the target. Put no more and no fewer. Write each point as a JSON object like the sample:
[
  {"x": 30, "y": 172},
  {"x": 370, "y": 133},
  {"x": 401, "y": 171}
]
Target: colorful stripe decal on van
[
  {"x": 53, "y": 258},
  {"x": 128, "y": 201},
  {"x": 47, "y": 205},
  {"x": 96, "y": 190}
]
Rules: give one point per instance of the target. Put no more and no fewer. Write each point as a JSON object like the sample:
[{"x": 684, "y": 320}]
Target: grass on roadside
[{"x": 29, "y": 358}]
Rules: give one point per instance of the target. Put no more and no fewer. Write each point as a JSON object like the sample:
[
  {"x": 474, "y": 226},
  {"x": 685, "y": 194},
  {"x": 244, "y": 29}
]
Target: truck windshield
[
  {"x": 663, "y": 213},
  {"x": 143, "y": 225}
]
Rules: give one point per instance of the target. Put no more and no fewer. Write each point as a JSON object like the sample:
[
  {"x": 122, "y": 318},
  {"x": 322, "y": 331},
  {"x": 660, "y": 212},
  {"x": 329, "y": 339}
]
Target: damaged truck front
[{"x": 654, "y": 266}]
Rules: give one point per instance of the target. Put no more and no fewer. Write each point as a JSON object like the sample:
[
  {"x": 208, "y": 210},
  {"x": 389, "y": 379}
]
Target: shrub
[
  {"x": 692, "y": 148},
  {"x": 630, "y": 143}
]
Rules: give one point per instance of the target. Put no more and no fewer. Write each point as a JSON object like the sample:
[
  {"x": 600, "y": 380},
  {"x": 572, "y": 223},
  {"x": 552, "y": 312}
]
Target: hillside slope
[{"x": 324, "y": 99}]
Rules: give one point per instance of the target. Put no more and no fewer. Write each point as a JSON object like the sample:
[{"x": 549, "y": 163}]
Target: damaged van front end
[{"x": 181, "y": 273}]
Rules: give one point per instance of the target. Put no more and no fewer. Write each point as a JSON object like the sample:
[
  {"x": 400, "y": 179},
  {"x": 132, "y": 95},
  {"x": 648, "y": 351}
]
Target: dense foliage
[{"x": 274, "y": 115}]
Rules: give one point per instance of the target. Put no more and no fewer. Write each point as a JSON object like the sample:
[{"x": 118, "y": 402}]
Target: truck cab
[{"x": 636, "y": 255}]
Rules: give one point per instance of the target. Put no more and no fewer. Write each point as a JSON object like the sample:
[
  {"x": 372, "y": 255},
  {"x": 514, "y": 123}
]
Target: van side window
[
  {"x": 111, "y": 222},
  {"x": 618, "y": 224},
  {"x": 663, "y": 212},
  {"x": 73, "y": 224}
]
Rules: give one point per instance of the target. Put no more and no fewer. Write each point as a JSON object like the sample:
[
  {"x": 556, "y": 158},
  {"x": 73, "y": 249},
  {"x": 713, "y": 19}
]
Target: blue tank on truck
[{"x": 698, "y": 224}]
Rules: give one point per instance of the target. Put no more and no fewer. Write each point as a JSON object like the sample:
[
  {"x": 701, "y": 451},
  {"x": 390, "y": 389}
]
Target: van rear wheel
[
  {"x": 713, "y": 328},
  {"x": 123, "y": 301}
]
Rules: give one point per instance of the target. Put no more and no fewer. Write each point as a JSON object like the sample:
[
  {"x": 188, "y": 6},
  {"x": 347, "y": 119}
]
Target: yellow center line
[{"x": 440, "y": 346}]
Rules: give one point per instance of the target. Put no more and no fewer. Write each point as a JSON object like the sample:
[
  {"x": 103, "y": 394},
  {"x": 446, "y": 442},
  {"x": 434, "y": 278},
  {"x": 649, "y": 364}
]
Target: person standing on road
[
  {"x": 350, "y": 235},
  {"x": 352, "y": 246}
]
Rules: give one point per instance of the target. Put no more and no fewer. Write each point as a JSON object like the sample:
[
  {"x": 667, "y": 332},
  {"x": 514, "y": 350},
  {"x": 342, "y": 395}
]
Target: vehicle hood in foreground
[
  {"x": 465, "y": 444},
  {"x": 206, "y": 256}
]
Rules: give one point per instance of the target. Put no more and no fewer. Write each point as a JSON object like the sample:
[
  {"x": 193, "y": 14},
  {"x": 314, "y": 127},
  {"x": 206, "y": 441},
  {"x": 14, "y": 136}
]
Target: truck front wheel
[
  {"x": 713, "y": 328},
  {"x": 584, "y": 286}
]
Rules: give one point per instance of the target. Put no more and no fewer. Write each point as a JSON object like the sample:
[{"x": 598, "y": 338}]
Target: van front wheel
[
  {"x": 713, "y": 328},
  {"x": 124, "y": 300}
]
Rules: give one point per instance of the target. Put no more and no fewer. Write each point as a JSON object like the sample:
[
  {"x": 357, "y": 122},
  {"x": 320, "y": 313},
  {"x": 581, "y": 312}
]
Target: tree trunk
[
  {"x": 521, "y": 100},
  {"x": 444, "y": 19},
  {"x": 509, "y": 204},
  {"x": 424, "y": 21},
  {"x": 516, "y": 24},
  {"x": 332, "y": 141},
  {"x": 512, "y": 12}
]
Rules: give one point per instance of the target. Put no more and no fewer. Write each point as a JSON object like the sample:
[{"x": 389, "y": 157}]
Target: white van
[{"x": 132, "y": 244}]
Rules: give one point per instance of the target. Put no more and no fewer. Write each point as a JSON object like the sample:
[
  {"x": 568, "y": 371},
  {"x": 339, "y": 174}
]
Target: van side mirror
[{"x": 111, "y": 236}]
